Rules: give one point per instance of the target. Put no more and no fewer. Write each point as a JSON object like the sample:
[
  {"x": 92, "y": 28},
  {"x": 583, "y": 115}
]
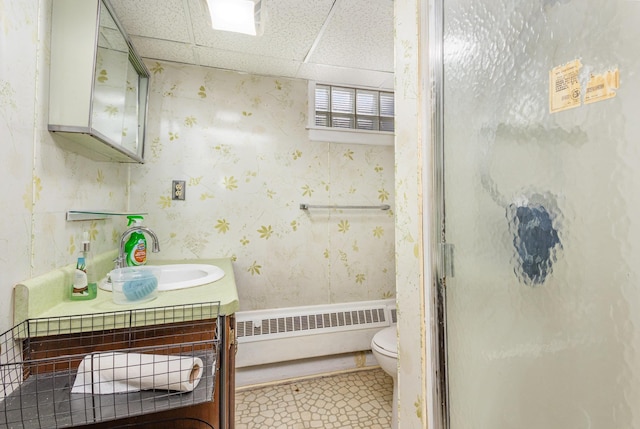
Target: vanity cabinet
[
  {"x": 98, "y": 84},
  {"x": 66, "y": 331}
]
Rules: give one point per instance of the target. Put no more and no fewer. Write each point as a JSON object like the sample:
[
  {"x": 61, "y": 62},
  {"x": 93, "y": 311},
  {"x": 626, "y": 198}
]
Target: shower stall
[{"x": 538, "y": 142}]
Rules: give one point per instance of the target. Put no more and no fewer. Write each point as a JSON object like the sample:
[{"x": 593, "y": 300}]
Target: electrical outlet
[{"x": 178, "y": 189}]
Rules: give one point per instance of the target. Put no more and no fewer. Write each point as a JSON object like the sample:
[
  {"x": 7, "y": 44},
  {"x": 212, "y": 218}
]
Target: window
[
  {"x": 353, "y": 108},
  {"x": 343, "y": 114}
]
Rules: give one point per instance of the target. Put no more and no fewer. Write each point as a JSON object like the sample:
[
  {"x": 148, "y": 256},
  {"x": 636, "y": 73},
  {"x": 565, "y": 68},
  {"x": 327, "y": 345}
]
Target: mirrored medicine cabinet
[{"x": 98, "y": 83}]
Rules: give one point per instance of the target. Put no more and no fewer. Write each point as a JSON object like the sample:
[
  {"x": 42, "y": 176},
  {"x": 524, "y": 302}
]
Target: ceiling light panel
[{"x": 236, "y": 16}]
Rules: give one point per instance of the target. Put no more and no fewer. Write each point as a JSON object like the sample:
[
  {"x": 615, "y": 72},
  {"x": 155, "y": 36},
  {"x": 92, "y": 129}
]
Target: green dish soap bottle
[
  {"x": 85, "y": 284},
  {"x": 136, "y": 246}
]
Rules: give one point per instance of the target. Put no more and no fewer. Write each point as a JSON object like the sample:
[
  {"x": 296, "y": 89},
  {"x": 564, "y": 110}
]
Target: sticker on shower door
[
  {"x": 602, "y": 86},
  {"x": 564, "y": 86},
  {"x": 566, "y": 92}
]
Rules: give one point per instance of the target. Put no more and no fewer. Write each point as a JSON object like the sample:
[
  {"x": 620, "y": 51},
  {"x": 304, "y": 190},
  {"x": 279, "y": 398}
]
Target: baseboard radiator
[{"x": 286, "y": 334}]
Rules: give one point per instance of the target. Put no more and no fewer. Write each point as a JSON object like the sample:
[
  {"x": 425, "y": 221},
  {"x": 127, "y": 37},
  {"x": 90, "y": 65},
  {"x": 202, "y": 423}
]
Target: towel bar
[{"x": 304, "y": 206}]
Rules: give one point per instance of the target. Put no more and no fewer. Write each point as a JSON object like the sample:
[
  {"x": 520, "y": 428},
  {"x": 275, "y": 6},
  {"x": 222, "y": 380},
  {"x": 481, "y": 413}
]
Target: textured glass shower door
[{"x": 542, "y": 197}]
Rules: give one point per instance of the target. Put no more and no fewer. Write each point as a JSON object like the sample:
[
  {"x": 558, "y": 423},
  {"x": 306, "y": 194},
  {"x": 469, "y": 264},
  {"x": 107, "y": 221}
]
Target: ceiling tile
[
  {"x": 354, "y": 38},
  {"x": 346, "y": 76},
  {"x": 165, "y": 19},
  {"x": 359, "y": 35},
  {"x": 164, "y": 50},
  {"x": 260, "y": 65}
]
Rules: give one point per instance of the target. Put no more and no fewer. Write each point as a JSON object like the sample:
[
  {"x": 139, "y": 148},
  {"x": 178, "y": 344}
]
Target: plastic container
[
  {"x": 134, "y": 285},
  {"x": 136, "y": 246}
]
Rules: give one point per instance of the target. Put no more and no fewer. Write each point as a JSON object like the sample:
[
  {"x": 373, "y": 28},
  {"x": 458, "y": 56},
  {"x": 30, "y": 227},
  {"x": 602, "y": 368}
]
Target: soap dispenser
[{"x": 85, "y": 285}]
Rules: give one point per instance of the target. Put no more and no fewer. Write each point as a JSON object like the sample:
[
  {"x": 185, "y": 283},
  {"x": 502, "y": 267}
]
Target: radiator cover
[{"x": 284, "y": 334}]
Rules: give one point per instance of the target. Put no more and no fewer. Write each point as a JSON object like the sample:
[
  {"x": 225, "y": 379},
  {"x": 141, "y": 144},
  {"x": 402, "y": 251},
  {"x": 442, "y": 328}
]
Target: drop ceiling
[{"x": 334, "y": 41}]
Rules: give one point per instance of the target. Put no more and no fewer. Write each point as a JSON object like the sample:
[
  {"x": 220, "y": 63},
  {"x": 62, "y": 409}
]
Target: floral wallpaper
[
  {"x": 413, "y": 219},
  {"x": 17, "y": 91},
  {"x": 239, "y": 142},
  {"x": 42, "y": 181}
]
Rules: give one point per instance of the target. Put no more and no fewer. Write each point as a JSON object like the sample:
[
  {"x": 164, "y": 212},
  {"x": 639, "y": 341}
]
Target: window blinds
[{"x": 354, "y": 108}]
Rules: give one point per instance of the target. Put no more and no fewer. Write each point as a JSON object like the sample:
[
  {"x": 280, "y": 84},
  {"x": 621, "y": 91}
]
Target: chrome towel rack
[{"x": 304, "y": 206}]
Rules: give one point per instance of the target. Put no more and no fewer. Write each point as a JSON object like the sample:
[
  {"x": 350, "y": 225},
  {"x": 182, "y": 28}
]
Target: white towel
[{"x": 114, "y": 372}]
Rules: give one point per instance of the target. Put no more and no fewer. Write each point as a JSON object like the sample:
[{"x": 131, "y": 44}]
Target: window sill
[{"x": 340, "y": 135}]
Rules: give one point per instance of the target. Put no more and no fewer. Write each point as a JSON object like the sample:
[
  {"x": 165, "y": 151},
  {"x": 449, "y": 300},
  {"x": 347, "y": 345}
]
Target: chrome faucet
[{"x": 120, "y": 260}]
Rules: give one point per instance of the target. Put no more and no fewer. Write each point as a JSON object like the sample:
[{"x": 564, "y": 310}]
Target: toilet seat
[{"x": 386, "y": 342}]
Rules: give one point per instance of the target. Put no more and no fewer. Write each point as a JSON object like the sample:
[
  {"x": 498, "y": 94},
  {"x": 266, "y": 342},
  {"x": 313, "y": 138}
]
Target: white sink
[{"x": 180, "y": 276}]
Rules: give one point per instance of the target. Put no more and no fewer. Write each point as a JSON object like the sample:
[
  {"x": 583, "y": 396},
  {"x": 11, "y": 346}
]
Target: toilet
[{"x": 384, "y": 346}]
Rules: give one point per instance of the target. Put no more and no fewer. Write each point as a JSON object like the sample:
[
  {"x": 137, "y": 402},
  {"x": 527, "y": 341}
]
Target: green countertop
[{"x": 47, "y": 295}]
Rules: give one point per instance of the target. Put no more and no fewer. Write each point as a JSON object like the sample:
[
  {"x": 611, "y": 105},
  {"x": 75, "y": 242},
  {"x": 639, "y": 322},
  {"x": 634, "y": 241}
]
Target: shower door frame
[{"x": 441, "y": 252}]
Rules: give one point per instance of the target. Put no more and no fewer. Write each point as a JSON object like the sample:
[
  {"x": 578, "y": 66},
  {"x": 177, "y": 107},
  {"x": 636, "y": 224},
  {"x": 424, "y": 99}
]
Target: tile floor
[{"x": 359, "y": 399}]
